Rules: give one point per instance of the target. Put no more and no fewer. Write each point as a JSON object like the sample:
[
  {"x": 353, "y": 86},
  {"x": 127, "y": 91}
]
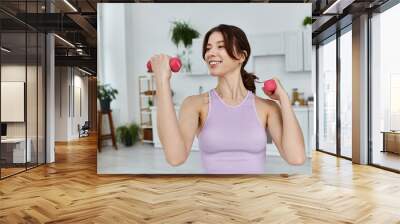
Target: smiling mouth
[{"x": 213, "y": 62}]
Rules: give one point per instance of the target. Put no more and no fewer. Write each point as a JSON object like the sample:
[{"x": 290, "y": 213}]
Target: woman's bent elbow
[
  {"x": 175, "y": 162},
  {"x": 175, "y": 158},
  {"x": 300, "y": 160}
]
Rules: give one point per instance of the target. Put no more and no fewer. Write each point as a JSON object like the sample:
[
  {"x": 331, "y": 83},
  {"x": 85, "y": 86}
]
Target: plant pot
[
  {"x": 128, "y": 139},
  {"x": 185, "y": 53},
  {"x": 105, "y": 105}
]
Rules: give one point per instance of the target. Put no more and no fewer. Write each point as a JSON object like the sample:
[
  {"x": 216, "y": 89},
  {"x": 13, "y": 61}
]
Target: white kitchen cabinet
[
  {"x": 307, "y": 48},
  {"x": 198, "y": 65},
  {"x": 294, "y": 51},
  {"x": 267, "y": 44},
  {"x": 156, "y": 139},
  {"x": 302, "y": 118},
  {"x": 303, "y": 115},
  {"x": 311, "y": 131}
]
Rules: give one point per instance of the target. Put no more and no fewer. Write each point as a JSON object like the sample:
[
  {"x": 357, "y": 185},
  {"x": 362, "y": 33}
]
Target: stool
[{"x": 100, "y": 136}]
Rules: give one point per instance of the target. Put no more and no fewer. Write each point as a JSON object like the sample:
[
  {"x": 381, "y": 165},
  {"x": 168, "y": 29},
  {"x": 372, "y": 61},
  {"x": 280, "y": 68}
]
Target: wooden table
[
  {"x": 391, "y": 141},
  {"x": 13, "y": 150}
]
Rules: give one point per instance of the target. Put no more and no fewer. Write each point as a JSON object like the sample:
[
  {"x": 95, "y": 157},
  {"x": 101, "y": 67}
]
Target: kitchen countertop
[{"x": 302, "y": 108}]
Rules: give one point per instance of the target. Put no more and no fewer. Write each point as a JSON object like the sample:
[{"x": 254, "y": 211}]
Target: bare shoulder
[
  {"x": 196, "y": 102},
  {"x": 266, "y": 105}
]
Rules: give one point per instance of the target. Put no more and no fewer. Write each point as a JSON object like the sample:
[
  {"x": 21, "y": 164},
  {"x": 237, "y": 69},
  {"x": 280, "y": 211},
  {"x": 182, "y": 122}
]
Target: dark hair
[{"x": 235, "y": 43}]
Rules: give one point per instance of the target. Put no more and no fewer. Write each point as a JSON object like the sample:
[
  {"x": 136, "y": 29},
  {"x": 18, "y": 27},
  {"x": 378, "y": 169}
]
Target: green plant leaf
[
  {"x": 307, "y": 21},
  {"x": 106, "y": 92},
  {"x": 121, "y": 134},
  {"x": 183, "y": 32}
]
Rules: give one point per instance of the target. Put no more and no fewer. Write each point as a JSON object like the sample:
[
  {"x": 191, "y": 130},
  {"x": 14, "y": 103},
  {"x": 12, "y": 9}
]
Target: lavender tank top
[{"x": 233, "y": 140}]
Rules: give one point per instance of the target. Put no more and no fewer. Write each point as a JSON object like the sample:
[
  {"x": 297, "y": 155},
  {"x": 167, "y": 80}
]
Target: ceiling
[{"x": 76, "y": 21}]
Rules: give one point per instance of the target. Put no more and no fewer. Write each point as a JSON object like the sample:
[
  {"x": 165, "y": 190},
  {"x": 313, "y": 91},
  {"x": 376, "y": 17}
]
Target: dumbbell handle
[{"x": 174, "y": 63}]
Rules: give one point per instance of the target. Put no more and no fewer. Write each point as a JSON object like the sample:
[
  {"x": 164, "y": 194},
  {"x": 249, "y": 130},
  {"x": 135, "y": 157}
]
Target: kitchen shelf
[
  {"x": 146, "y": 92},
  {"x": 147, "y": 123},
  {"x": 145, "y": 109}
]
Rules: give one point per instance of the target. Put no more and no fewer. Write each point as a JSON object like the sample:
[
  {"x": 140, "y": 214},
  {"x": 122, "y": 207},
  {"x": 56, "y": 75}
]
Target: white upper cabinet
[
  {"x": 199, "y": 67},
  {"x": 307, "y": 45},
  {"x": 294, "y": 51},
  {"x": 267, "y": 44}
]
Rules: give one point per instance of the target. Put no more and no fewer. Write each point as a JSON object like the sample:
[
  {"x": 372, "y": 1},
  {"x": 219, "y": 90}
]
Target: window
[
  {"x": 327, "y": 97},
  {"x": 385, "y": 89},
  {"x": 346, "y": 75}
]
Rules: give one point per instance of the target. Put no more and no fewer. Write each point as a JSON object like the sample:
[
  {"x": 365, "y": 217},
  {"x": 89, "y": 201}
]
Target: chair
[{"x": 84, "y": 130}]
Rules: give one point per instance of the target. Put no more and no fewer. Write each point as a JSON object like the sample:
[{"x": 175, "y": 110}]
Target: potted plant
[
  {"x": 128, "y": 134},
  {"x": 122, "y": 133},
  {"x": 105, "y": 93},
  {"x": 183, "y": 32}
]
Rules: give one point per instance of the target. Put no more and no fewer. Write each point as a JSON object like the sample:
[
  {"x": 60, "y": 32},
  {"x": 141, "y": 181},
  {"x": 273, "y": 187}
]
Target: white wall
[
  {"x": 81, "y": 103},
  {"x": 67, "y": 114},
  {"x": 16, "y": 72},
  {"x": 129, "y": 34},
  {"x": 274, "y": 65},
  {"x": 61, "y": 103},
  {"x": 33, "y": 126},
  {"x": 113, "y": 65}
]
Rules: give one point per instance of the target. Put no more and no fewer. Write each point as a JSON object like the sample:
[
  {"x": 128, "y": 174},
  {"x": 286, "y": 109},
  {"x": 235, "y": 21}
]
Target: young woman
[{"x": 230, "y": 121}]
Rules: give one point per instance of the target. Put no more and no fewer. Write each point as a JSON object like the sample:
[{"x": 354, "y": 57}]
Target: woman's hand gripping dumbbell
[
  {"x": 269, "y": 86},
  {"x": 175, "y": 64}
]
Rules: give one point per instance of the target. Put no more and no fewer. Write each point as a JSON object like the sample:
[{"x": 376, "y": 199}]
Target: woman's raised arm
[
  {"x": 284, "y": 127},
  {"x": 175, "y": 137}
]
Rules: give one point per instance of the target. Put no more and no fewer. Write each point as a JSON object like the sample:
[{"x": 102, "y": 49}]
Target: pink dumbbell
[
  {"x": 174, "y": 63},
  {"x": 269, "y": 86}
]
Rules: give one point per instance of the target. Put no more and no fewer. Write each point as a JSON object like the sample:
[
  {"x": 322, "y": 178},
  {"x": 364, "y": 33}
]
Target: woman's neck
[{"x": 231, "y": 87}]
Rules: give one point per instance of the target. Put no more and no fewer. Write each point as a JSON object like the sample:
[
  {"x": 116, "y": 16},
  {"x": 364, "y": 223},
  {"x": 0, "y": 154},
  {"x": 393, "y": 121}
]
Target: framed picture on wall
[{"x": 12, "y": 101}]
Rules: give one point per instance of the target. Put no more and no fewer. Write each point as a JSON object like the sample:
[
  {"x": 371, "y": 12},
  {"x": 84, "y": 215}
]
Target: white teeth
[{"x": 215, "y": 62}]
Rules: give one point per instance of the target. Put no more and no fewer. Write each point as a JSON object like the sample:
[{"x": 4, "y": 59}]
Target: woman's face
[{"x": 217, "y": 58}]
